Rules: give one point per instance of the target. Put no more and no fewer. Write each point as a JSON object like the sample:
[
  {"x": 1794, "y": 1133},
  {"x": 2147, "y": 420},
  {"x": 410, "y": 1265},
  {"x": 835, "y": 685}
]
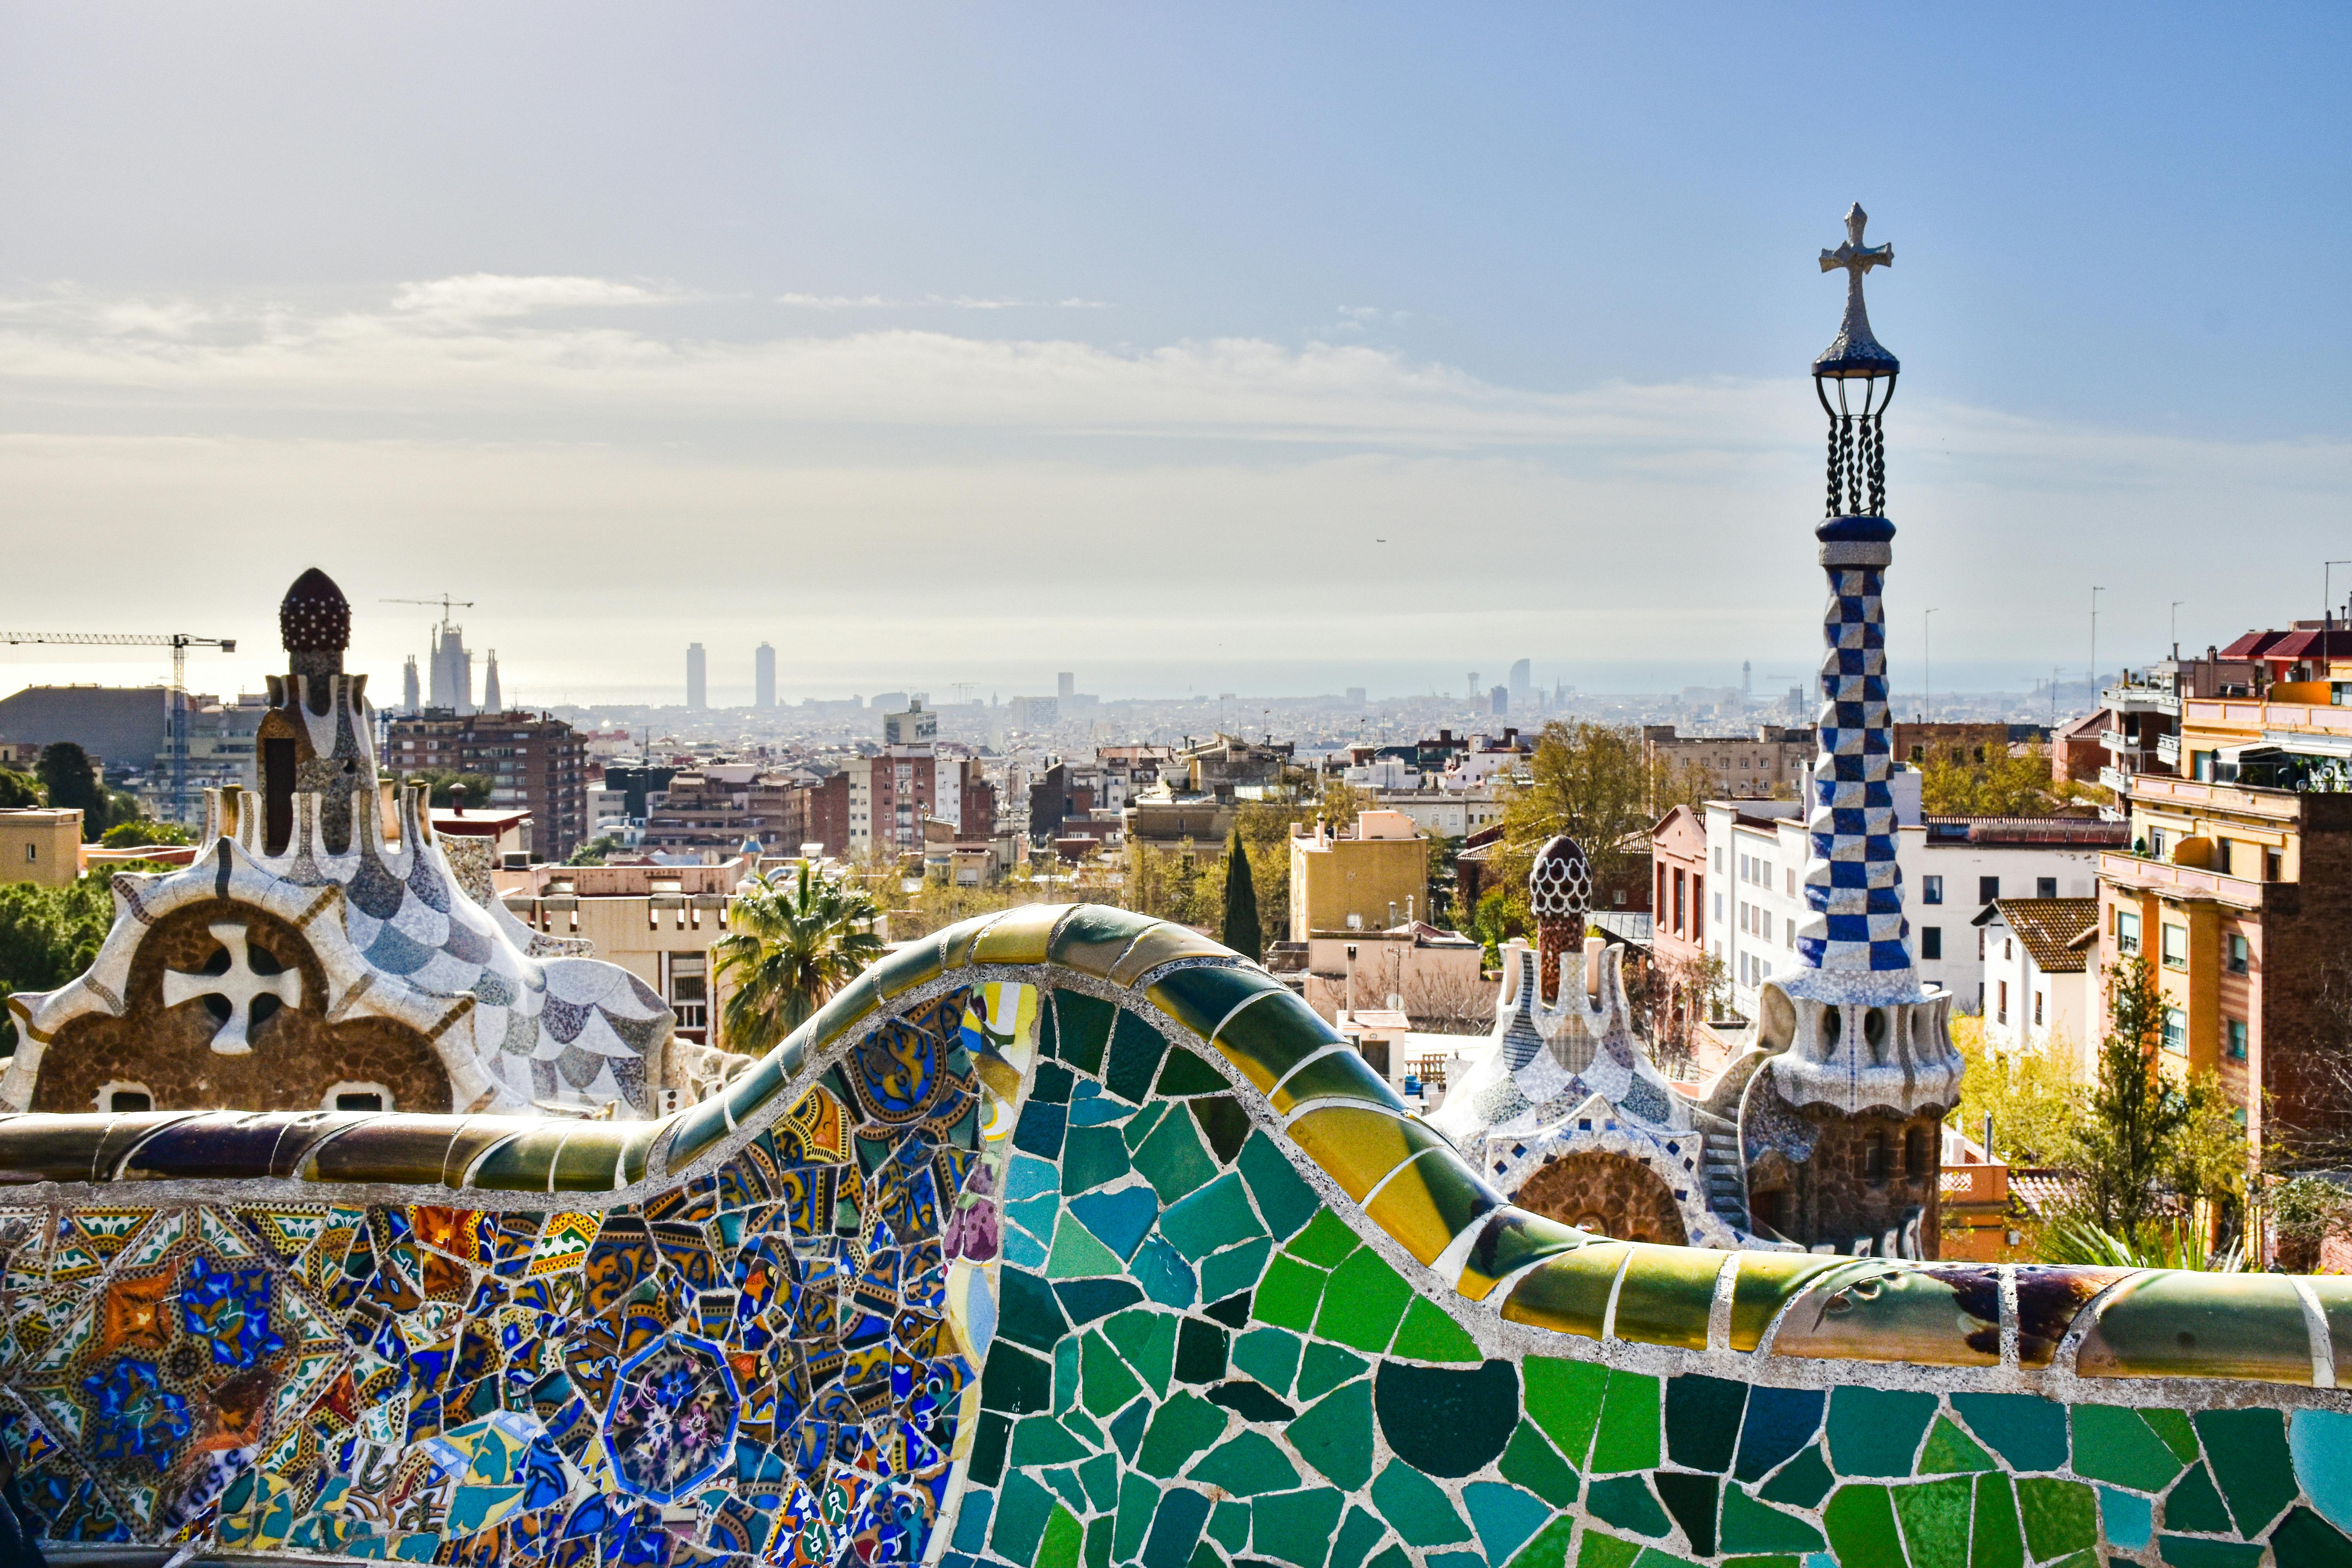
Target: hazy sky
[{"x": 937, "y": 344}]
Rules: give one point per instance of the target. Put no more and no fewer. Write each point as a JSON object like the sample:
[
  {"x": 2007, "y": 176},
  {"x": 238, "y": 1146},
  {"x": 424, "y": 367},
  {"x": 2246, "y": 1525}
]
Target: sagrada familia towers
[{"x": 1825, "y": 1134}]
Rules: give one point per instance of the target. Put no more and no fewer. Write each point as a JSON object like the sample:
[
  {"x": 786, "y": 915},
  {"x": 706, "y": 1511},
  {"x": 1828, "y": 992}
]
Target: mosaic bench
[{"x": 1067, "y": 1237}]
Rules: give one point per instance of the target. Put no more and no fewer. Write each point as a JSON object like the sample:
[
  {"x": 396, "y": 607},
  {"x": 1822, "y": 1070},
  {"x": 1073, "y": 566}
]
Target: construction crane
[
  {"x": 179, "y": 642},
  {"x": 444, "y": 601}
]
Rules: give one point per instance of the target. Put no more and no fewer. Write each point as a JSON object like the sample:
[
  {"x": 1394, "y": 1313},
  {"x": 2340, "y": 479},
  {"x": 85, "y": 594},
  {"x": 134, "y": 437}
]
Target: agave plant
[
  {"x": 793, "y": 941},
  {"x": 2168, "y": 1244}
]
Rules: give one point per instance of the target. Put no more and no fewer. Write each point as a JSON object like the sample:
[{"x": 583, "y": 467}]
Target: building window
[
  {"x": 1718, "y": 908},
  {"x": 2175, "y": 1031},
  {"x": 2045, "y": 887},
  {"x": 2126, "y": 932},
  {"x": 1917, "y": 1163},
  {"x": 2273, "y": 866},
  {"x": 2236, "y": 1030},
  {"x": 1719, "y": 857},
  {"x": 2238, "y": 955},
  {"x": 1988, "y": 890},
  {"x": 2176, "y": 946},
  {"x": 2037, "y": 1009},
  {"x": 1931, "y": 941},
  {"x": 1873, "y": 1158},
  {"x": 2201, "y": 765},
  {"x": 125, "y": 1099},
  {"x": 2156, "y": 843},
  {"x": 1931, "y": 890},
  {"x": 32, "y": 851},
  {"x": 2000, "y": 1013}
]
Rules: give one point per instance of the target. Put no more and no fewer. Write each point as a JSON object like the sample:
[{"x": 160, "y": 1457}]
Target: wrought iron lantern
[{"x": 1862, "y": 372}]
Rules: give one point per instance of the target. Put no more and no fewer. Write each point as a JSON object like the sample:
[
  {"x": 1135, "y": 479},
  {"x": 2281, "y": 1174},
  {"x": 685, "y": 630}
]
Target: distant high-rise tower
[
  {"x": 763, "y": 676},
  {"x": 491, "y": 702},
  {"x": 410, "y": 699},
  {"x": 1746, "y": 679},
  {"x": 1065, "y": 685},
  {"x": 453, "y": 669},
  {"x": 1522, "y": 677},
  {"x": 698, "y": 692}
]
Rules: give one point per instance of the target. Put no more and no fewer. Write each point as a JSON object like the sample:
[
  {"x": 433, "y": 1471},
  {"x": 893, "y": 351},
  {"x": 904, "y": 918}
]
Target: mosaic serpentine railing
[{"x": 1066, "y": 1237}]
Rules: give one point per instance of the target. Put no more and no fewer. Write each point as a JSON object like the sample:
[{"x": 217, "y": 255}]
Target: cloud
[
  {"x": 948, "y": 301},
  {"x": 483, "y": 296}
]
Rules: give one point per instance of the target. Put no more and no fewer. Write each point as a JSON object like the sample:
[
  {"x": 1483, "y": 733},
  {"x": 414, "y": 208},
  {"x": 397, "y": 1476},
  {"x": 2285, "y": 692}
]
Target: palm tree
[{"x": 792, "y": 945}]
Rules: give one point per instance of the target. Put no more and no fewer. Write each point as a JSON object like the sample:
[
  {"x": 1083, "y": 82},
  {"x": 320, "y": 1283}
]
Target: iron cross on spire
[{"x": 1853, "y": 255}]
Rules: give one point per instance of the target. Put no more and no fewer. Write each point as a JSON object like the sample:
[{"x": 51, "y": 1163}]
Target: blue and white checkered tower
[{"x": 1854, "y": 1027}]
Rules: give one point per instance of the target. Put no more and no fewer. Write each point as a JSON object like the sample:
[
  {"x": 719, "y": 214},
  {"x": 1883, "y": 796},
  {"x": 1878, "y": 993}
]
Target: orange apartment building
[{"x": 2237, "y": 891}]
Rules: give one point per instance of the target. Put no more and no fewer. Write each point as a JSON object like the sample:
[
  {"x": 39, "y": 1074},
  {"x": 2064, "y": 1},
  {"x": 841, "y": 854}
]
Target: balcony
[
  {"x": 2168, "y": 749},
  {"x": 2251, "y": 717},
  {"x": 2141, "y": 875},
  {"x": 2116, "y": 779},
  {"x": 2179, "y": 794},
  {"x": 2133, "y": 696}
]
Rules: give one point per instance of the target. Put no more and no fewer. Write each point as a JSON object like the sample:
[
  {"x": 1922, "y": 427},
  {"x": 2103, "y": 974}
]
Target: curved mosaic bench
[{"x": 1065, "y": 1236}]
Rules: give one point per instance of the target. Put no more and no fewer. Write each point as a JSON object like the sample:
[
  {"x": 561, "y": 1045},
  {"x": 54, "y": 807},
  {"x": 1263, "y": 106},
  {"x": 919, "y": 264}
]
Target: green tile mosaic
[
  {"x": 1358, "y": 1533},
  {"x": 1415, "y": 1509},
  {"x": 1504, "y": 1517},
  {"x": 1934, "y": 1519},
  {"x": 1569, "y": 1294},
  {"x": 1234, "y": 1270},
  {"x": 2060, "y": 1516},
  {"x": 1136, "y": 1049},
  {"x": 1295, "y": 1527},
  {"x": 1335, "y": 1435},
  {"x": 1284, "y": 1199},
  {"x": 1216, "y": 1215},
  {"x": 1995, "y": 1539},
  {"x": 1802, "y": 1483},
  {"x": 1627, "y": 1438},
  {"x": 2195, "y": 1504},
  {"x": 1202, "y": 996},
  {"x": 2250, "y": 1459},
  {"x": 1428, "y": 1334},
  {"x": 1530, "y": 1461},
  {"x": 1860, "y": 1523},
  {"x": 1749, "y": 1526},
  {"x": 1627, "y": 1503},
  {"x": 1364, "y": 1302},
  {"x": 1245, "y": 1465},
  {"x": 1447, "y": 1421},
  {"x": 1703, "y": 1416},
  {"x": 1324, "y": 1367},
  {"x": 1183, "y": 1425},
  {"x": 2113, "y": 1444},
  {"x": 1691, "y": 1501},
  {"x": 2027, "y": 1431},
  {"x": 1949, "y": 1449},
  {"x": 1269, "y": 1355},
  {"x": 1564, "y": 1399},
  {"x": 1877, "y": 1432},
  {"x": 1172, "y": 1160}
]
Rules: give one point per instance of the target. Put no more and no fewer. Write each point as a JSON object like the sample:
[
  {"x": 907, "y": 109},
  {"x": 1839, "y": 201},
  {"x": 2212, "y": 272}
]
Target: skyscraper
[
  {"x": 763, "y": 676},
  {"x": 698, "y": 692},
  {"x": 491, "y": 702},
  {"x": 1522, "y": 677},
  {"x": 411, "y": 698},
  {"x": 1065, "y": 686}
]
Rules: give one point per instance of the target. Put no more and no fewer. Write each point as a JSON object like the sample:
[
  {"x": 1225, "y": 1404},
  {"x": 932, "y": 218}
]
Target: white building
[
  {"x": 2037, "y": 975},
  {"x": 1953, "y": 868},
  {"x": 1457, "y": 814}
]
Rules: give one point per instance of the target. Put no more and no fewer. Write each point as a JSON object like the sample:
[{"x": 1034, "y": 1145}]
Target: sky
[{"x": 1268, "y": 349}]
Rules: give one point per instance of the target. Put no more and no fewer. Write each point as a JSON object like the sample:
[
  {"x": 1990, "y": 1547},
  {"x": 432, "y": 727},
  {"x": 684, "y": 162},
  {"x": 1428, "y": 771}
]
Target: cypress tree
[{"x": 1241, "y": 932}]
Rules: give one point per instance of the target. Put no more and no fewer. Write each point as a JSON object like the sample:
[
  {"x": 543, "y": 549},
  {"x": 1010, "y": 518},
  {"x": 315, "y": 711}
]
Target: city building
[
  {"x": 2037, "y": 976},
  {"x": 534, "y": 762},
  {"x": 2236, "y": 888},
  {"x": 222, "y": 738},
  {"x": 917, "y": 726},
  {"x": 719, "y": 809},
  {"x": 763, "y": 676},
  {"x": 1432, "y": 976},
  {"x": 411, "y": 697},
  {"x": 492, "y": 701},
  {"x": 2136, "y": 728},
  {"x": 1770, "y": 762},
  {"x": 697, "y": 685},
  {"x": 40, "y": 846},
  {"x": 120, "y": 726},
  {"x": 1448, "y": 813},
  {"x": 1367, "y": 877},
  {"x": 883, "y": 802}
]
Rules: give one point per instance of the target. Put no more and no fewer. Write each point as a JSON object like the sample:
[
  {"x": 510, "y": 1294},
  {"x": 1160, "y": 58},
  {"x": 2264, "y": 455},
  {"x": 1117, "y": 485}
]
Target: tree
[
  {"x": 2034, "y": 1098},
  {"x": 2126, "y": 1143},
  {"x": 49, "y": 935},
  {"x": 1994, "y": 782},
  {"x": 1241, "y": 931},
  {"x": 1670, "y": 999},
  {"x": 18, "y": 790},
  {"x": 142, "y": 831},
  {"x": 439, "y": 781},
  {"x": 794, "y": 942},
  {"x": 593, "y": 852},
  {"x": 1597, "y": 783},
  {"x": 71, "y": 781}
]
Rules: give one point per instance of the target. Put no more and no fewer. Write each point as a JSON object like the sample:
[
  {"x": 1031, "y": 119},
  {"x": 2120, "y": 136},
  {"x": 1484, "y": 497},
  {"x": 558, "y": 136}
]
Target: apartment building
[
  {"x": 534, "y": 762},
  {"x": 724, "y": 806},
  {"x": 1952, "y": 866},
  {"x": 1368, "y": 876},
  {"x": 40, "y": 845},
  {"x": 2236, "y": 888},
  {"x": 880, "y": 804},
  {"x": 2137, "y": 721},
  {"x": 1755, "y": 766}
]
